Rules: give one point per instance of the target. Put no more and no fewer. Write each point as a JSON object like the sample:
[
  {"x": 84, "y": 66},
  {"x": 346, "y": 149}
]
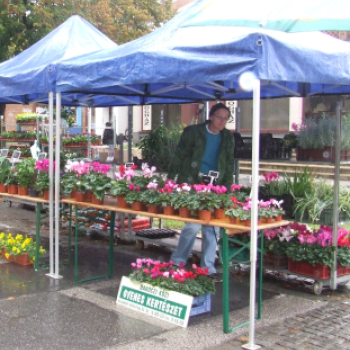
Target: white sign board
[
  {"x": 147, "y": 117},
  {"x": 166, "y": 305},
  {"x": 231, "y": 123}
]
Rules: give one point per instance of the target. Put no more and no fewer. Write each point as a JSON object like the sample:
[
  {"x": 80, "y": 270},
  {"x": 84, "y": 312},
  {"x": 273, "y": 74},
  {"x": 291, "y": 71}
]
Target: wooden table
[{"x": 227, "y": 233}]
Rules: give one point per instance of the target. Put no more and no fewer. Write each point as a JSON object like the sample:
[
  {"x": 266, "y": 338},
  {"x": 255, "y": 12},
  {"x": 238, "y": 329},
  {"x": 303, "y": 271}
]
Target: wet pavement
[{"x": 37, "y": 312}]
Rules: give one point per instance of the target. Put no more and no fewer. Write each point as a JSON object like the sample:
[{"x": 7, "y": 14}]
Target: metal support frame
[
  {"x": 110, "y": 254},
  {"x": 226, "y": 258}
]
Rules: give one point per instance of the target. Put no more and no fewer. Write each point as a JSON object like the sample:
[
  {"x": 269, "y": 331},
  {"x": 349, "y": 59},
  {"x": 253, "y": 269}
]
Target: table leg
[
  {"x": 111, "y": 244},
  {"x": 225, "y": 282},
  {"x": 37, "y": 234}
]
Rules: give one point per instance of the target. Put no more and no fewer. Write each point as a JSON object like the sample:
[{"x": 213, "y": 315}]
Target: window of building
[
  {"x": 171, "y": 114},
  {"x": 274, "y": 114}
]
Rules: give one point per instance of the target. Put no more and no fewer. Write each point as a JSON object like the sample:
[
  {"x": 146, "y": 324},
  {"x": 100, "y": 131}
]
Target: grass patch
[{"x": 170, "y": 224}]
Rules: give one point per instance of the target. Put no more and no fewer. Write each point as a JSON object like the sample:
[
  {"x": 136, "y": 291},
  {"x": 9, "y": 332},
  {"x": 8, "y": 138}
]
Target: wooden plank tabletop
[
  {"x": 230, "y": 228},
  {"x": 26, "y": 198}
]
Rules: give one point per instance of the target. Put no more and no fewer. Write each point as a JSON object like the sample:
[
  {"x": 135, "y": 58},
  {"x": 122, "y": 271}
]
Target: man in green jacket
[{"x": 202, "y": 148}]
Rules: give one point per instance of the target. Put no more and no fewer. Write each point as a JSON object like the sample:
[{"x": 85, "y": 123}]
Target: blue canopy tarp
[
  {"x": 32, "y": 72},
  {"x": 186, "y": 64}
]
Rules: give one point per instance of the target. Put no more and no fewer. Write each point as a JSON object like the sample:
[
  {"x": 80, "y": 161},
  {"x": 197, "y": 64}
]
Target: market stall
[{"x": 187, "y": 64}]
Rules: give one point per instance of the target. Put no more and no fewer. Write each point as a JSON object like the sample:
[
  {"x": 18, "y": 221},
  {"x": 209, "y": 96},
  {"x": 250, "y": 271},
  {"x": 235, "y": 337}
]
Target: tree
[{"x": 24, "y": 22}]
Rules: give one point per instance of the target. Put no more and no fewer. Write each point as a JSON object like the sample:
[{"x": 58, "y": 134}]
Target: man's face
[{"x": 218, "y": 120}]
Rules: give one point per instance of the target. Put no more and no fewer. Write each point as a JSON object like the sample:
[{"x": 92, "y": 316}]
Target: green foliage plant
[
  {"x": 26, "y": 172},
  {"x": 159, "y": 145}
]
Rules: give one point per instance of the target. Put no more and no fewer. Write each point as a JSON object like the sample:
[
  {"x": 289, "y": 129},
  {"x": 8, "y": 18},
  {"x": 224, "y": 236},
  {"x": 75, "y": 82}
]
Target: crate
[
  {"x": 201, "y": 304},
  {"x": 318, "y": 271},
  {"x": 304, "y": 268},
  {"x": 276, "y": 261}
]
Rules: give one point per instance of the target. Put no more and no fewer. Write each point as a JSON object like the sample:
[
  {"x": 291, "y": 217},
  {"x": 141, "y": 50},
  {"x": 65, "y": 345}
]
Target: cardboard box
[{"x": 102, "y": 152}]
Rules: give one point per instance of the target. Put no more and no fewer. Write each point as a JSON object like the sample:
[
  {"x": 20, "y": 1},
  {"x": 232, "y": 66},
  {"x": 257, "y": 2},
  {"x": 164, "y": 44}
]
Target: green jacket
[{"x": 186, "y": 162}]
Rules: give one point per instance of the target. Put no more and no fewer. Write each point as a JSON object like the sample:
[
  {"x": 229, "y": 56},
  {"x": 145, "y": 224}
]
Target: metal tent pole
[
  {"x": 254, "y": 203},
  {"x": 333, "y": 281},
  {"x": 51, "y": 271},
  {"x": 57, "y": 185}
]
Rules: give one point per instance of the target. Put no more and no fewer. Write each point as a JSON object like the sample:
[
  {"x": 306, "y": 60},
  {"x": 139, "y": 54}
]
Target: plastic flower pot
[
  {"x": 94, "y": 200},
  {"x": 80, "y": 197},
  {"x": 136, "y": 206},
  {"x": 121, "y": 202},
  {"x": 184, "y": 212},
  {"x": 219, "y": 213},
  {"x": 12, "y": 189},
  {"x": 3, "y": 188},
  {"x": 168, "y": 210},
  {"x": 204, "y": 215},
  {"x": 22, "y": 191}
]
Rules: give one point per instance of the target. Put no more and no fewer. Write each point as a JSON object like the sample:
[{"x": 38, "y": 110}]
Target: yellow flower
[
  {"x": 33, "y": 258},
  {"x": 28, "y": 241},
  {"x": 19, "y": 237},
  {"x": 23, "y": 245},
  {"x": 14, "y": 249},
  {"x": 9, "y": 235},
  {"x": 7, "y": 255},
  {"x": 2, "y": 235},
  {"x": 42, "y": 250}
]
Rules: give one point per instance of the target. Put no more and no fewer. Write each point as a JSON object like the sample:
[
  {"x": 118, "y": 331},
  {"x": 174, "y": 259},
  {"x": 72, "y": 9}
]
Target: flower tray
[
  {"x": 318, "y": 271},
  {"x": 18, "y": 259},
  {"x": 155, "y": 233},
  {"x": 276, "y": 261},
  {"x": 201, "y": 304}
]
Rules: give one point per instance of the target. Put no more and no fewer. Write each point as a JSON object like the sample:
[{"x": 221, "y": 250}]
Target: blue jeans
[{"x": 186, "y": 242}]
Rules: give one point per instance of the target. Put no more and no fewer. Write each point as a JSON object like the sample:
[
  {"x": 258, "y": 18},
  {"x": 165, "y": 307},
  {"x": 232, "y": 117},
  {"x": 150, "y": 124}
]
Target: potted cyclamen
[
  {"x": 98, "y": 182},
  {"x": 133, "y": 197},
  {"x": 167, "y": 196},
  {"x": 80, "y": 170},
  {"x": 42, "y": 182},
  {"x": 203, "y": 199},
  {"x": 234, "y": 214},
  {"x": 224, "y": 201},
  {"x": 151, "y": 197},
  {"x": 181, "y": 200},
  {"x": 119, "y": 187}
]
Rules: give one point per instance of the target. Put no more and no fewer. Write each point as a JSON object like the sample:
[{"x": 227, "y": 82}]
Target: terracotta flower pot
[
  {"x": 235, "y": 221},
  {"x": 3, "y": 188},
  {"x": 22, "y": 191},
  {"x": 88, "y": 196},
  {"x": 248, "y": 223},
  {"x": 94, "y": 200},
  {"x": 184, "y": 212},
  {"x": 18, "y": 259},
  {"x": 80, "y": 196},
  {"x": 153, "y": 208},
  {"x": 219, "y": 213},
  {"x": 270, "y": 220},
  {"x": 204, "y": 215},
  {"x": 278, "y": 217},
  {"x": 47, "y": 195},
  {"x": 12, "y": 189},
  {"x": 136, "y": 206},
  {"x": 122, "y": 202},
  {"x": 168, "y": 210}
]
